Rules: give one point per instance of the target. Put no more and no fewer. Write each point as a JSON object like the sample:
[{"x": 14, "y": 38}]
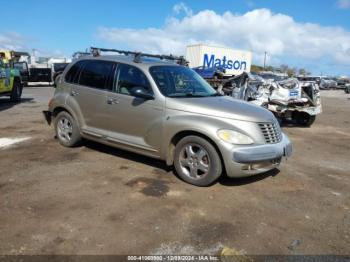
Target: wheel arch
[
  {"x": 59, "y": 109},
  {"x": 181, "y": 134}
]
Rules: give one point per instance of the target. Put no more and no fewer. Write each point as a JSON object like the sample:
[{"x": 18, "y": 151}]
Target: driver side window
[{"x": 129, "y": 77}]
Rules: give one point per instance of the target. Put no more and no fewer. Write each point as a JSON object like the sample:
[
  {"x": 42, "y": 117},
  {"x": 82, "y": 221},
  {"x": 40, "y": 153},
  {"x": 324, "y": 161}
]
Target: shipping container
[{"x": 234, "y": 61}]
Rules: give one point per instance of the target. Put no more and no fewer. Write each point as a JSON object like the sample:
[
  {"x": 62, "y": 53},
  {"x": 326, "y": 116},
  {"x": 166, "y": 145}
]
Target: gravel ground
[{"x": 95, "y": 199}]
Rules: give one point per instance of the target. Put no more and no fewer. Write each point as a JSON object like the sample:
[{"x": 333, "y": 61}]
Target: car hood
[{"x": 221, "y": 106}]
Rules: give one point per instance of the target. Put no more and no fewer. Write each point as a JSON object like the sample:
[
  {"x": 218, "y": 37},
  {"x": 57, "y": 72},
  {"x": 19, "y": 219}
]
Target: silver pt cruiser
[{"x": 165, "y": 111}]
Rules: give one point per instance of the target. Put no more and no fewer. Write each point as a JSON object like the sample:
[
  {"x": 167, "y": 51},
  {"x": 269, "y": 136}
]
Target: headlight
[{"x": 234, "y": 137}]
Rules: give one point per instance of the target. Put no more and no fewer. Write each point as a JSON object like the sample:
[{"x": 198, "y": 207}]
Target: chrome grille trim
[{"x": 271, "y": 132}]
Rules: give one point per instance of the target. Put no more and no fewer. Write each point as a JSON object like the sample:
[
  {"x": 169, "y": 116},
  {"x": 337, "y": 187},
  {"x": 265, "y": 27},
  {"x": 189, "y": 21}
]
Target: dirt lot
[{"x": 98, "y": 200}]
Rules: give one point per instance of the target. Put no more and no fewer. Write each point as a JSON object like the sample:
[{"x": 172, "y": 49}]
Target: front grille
[{"x": 272, "y": 132}]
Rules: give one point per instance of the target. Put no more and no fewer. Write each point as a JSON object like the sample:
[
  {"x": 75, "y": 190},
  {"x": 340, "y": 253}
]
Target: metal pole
[{"x": 265, "y": 60}]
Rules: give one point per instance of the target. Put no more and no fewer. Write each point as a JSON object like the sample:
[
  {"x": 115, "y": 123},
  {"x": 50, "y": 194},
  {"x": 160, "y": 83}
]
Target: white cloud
[
  {"x": 18, "y": 42},
  {"x": 343, "y": 4},
  {"x": 12, "y": 41},
  {"x": 259, "y": 30},
  {"x": 181, "y": 7}
]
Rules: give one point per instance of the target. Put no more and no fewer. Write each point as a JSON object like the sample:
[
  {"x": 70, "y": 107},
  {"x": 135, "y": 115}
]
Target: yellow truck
[{"x": 10, "y": 77}]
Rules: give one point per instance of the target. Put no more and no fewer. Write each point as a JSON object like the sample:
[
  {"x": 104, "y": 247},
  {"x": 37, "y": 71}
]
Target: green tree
[
  {"x": 284, "y": 68},
  {"x": 291, "y": 72}
]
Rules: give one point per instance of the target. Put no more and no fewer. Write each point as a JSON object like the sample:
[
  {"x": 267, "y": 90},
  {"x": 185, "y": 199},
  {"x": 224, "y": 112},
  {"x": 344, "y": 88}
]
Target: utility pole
[{"x": 265, "y": 60}]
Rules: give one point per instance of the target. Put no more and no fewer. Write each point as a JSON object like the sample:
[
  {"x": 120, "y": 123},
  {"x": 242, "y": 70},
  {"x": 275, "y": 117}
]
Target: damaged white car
[{"x": 288, "y": 99}]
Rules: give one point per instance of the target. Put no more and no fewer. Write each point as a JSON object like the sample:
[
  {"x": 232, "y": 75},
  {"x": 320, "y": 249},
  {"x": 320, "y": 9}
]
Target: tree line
[{"x": 290, "y": 71}]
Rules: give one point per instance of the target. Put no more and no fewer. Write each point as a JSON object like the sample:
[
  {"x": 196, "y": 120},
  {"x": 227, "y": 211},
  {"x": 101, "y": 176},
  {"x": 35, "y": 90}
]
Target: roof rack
[
  {"x": 80, "y": 54},
  {"x": 95, "y": 51}
]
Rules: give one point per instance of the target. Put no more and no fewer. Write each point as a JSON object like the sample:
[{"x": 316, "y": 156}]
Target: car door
[
  {"x": 23, "y": 69},
  {"x": 131, "y": 120},
  {"x": 89, "y": 94}
]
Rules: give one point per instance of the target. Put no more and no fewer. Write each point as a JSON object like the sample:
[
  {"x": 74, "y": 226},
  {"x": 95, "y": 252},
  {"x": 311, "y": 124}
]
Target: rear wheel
[
  {"x": 16, "y": 91},
  {"x": 67, "y": 130},
  {"x": 196, "y": 161}
]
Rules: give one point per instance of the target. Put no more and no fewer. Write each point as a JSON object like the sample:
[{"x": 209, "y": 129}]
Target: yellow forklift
[{"x": 11, "y": 83}]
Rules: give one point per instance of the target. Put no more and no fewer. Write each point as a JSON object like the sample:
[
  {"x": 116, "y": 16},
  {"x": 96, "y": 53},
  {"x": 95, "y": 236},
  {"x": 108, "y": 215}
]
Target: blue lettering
[
  {"x": 217, "y": 62},
  {"x": 236, "y": 64},
  {"x": 207, "y": 62},
  {"x": 229, "y": 64},
  {"x": 224, "y": 62}
]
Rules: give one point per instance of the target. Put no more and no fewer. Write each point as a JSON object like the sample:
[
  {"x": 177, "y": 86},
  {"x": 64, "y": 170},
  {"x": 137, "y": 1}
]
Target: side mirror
[{"x": 141, "y": 92}]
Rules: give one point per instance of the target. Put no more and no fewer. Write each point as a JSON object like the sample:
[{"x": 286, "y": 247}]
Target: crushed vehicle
[
  {"x": 156, "y": 106},
  {"x": 286, "y": 98}
]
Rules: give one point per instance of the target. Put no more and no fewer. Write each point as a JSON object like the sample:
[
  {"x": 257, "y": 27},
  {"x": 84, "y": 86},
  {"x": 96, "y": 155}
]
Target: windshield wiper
[
  {"x": 194, "y": 94},
  {"x": 186, "y": 95},
  {"x": 216, "y": 94}
]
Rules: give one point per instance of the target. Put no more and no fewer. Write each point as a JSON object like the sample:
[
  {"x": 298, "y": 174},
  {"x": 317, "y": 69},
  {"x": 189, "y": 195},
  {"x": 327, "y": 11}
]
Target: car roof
[{"x": 145, "y": 62}]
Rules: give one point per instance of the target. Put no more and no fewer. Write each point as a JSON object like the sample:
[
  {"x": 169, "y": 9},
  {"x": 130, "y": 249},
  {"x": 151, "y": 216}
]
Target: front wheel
[
  {"x": 16, "y": 92},
  {"x": 67, "y": 130},
  {"x": 196, "y": 161},
  {"x": 304, "y": 119}
]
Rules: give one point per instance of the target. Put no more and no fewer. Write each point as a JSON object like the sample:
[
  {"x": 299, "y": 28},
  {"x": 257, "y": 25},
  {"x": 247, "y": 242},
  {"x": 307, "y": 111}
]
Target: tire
[
  {"x": 279, "y": 118},
  {"x": 67, "y": 130},
  {"x": 16, "y": 92},
  {"x": 196, "y": 161},
  {"x": 304, "y": 119}
]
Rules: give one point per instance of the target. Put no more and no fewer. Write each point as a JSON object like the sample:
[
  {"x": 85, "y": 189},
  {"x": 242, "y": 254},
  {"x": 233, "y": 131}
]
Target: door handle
[
  {"x": 112, "y": 101},
  {"x": 74, "y": 93}
]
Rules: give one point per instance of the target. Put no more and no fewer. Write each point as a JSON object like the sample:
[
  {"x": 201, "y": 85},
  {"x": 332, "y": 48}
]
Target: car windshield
[{"x": 180, "y": 81}]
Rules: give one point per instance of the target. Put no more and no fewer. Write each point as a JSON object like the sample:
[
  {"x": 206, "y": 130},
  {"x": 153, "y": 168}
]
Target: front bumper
[
  {"x": 250, "y": 160},
  {"x": 48, "y": 117},
  {"x": 311, "y": 110}
]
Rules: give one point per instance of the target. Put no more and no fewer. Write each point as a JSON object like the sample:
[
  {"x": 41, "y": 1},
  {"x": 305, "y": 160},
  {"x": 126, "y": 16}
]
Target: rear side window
[
  {"x": 97, "y": 74},
  {"x": 72, "y": 74},
  {"x": 129, "y": 77}
]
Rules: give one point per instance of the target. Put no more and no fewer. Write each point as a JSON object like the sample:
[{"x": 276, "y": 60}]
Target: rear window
[
  {"x": 96, "y": 74},
  {"x": 72, "y": 74}
]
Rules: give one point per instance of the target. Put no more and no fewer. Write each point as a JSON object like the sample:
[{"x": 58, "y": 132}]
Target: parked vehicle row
[{"x": 44, "y": 70}]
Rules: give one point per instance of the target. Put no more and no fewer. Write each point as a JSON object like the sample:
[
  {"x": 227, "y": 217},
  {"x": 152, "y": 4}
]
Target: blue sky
[{"x": 62, "y": 27}]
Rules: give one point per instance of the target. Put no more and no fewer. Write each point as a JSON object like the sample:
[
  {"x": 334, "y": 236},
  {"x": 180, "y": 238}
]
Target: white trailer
[{"x": 234, "y": 62}]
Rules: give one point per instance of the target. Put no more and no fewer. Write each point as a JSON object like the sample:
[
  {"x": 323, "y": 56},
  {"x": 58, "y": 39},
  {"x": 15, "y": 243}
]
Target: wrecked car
[{"x": 287, "y": 98}]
